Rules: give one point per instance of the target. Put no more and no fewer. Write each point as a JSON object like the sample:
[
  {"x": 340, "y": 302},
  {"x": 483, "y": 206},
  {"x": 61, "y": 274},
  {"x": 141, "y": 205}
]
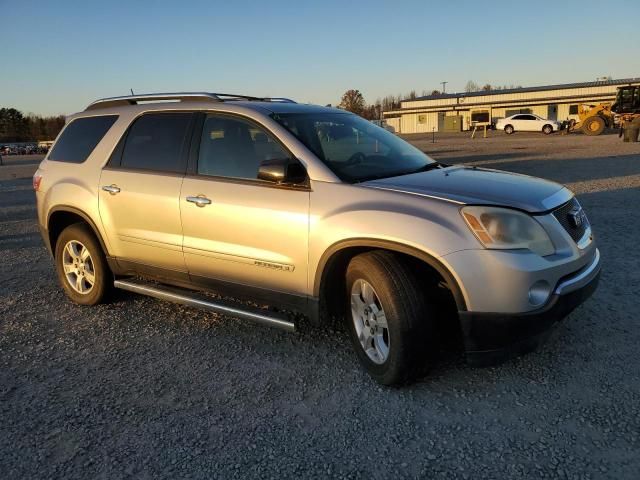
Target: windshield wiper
[{"x": 424, "y": 168}]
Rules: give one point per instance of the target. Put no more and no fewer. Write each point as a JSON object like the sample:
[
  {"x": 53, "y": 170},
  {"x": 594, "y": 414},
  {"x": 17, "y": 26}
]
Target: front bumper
[{"x": 490, "y": 338}]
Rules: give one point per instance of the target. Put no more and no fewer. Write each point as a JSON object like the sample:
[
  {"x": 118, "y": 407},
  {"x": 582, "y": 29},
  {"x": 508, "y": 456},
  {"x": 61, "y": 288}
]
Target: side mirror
[{"x": 282, "y": 170}]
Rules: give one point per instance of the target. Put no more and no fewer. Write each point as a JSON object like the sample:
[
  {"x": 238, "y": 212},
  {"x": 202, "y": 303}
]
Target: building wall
[
  {"x": 607, "y": 90},
  {"x": 419, "y": 116},
  {"x": 394, "y": 123},
  {"x": 419, "y": 123}
]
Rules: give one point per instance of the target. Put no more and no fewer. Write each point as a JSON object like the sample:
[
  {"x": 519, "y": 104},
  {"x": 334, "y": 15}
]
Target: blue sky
[{"x": 58, "y": 56}]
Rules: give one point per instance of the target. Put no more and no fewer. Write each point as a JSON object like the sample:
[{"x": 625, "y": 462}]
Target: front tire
[
  {"x": 593, "y": 126},
  {"x": 509, "y": 129},
  {"x": 391, "y": 324},
  {"x": 547, "y": 129},
  {"x": 81, "y": 265}
]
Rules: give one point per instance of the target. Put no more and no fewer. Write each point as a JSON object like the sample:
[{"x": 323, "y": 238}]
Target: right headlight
[{"x": 505, "y": 229}]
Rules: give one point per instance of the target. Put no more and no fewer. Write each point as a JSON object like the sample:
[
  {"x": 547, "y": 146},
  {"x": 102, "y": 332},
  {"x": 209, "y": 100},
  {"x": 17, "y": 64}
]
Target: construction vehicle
[{"x": 595, "y": 118}]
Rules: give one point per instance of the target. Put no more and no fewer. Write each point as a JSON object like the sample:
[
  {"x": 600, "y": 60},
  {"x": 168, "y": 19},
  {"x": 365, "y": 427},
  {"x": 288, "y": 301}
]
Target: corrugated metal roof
[{"x": 622, "y": 81}]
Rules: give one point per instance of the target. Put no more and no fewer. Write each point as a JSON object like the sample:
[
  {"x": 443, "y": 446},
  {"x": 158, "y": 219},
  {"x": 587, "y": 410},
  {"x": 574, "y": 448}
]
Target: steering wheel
[{"x": 355, "y": 159}]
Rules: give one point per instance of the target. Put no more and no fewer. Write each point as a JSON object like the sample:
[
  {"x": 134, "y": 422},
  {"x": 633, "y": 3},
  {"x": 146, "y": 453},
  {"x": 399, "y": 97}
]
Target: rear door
[
  {"x": 517, "y": 122},
  {"x": 140, "y": 191},
  {"x": 238, "y": 230},
  {"x": 530, "y": 123}
]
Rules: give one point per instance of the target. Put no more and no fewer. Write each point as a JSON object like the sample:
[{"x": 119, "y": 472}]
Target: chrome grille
[{"x": 567, "y": 214}]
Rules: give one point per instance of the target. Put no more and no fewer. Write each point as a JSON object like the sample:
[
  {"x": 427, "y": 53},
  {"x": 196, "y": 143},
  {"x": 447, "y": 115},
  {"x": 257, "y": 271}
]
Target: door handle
[
  {"x": 199, "y": 200},
  {"x": 112, "y": 189}
]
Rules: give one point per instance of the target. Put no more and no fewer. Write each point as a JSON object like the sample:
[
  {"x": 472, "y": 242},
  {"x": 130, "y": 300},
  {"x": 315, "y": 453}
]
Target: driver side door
[{"x": 240, "y": 231}]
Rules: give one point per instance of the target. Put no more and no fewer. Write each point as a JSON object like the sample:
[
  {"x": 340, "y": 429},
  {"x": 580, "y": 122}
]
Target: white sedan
[{"x": 526, "y": 122}]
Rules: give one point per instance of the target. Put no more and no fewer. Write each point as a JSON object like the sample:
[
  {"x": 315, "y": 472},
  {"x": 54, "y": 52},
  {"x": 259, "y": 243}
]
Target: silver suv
[{"x": 201, "y": 197}]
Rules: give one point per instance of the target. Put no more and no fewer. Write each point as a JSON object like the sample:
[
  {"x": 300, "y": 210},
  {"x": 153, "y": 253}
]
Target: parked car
[
  {"x": 526, "y": 122},
  {"x": 312, "y": 210}
]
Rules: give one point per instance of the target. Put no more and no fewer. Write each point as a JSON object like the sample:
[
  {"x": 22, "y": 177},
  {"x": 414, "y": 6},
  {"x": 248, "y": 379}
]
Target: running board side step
[{"x": 193, "y": 299}]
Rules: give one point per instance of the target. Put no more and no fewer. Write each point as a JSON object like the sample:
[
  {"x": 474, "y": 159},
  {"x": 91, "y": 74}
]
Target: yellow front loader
[{"x": 593, "y": 119}]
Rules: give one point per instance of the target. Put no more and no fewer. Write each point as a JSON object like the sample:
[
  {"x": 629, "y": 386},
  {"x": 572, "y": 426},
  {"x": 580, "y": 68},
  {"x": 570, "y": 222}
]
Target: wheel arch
[
  {"x": 60, "y": 217},
  {"x": 335, "y": 259}
]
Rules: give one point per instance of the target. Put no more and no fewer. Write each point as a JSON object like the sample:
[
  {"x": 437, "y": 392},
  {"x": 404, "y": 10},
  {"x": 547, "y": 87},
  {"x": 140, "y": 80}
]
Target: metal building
[{"x": 454, "y": 111}]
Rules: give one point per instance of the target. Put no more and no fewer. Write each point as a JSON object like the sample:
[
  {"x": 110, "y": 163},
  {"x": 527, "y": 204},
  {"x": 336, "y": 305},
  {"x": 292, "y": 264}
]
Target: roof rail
[
  {"x": 280, "y": 99},
  {"x": 152, "y": 97},
  {"x": 177, "y": 97}
]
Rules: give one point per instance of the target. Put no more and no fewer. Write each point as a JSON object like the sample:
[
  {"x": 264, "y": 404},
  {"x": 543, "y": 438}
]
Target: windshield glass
[{"x": 355, "y": 149}]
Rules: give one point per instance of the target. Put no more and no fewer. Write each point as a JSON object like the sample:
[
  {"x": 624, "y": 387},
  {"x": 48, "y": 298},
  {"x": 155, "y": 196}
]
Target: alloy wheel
[
  {"x": 78, "y": 267},
  {"x": 370, "y": 321}
]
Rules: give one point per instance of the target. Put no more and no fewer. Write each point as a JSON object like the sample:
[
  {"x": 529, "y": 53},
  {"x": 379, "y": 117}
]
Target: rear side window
[
  {"x": 80, "y": 138},
  {"x": 156, "y": 142}
]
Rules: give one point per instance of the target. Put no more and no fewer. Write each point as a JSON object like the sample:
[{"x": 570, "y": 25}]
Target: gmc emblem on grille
[{"x": 576, "y": 217}]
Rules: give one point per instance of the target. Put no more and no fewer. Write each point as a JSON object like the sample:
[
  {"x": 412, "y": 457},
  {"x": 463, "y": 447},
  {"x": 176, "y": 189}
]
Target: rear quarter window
[
  {"x": 80, "y": 137},
  {"x": 155, "y": 142}
]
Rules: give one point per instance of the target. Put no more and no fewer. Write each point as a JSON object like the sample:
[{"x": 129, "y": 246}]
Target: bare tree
[
  {"x": 487, "y": 87},
  {"x": 390, "y": 102},
  {"x": 353, "y": 101},
  {"x": 471, "y": 86}
]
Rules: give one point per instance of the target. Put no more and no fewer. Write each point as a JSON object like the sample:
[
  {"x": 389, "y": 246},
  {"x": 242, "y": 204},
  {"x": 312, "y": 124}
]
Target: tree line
[
  {"x": 472, "y": 86},
  {"x": 353, "y": 100},
  {"x": 17, "y": 127}
]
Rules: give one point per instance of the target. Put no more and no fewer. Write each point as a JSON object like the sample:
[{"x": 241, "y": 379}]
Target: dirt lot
[{"x": 146, "y": 389}]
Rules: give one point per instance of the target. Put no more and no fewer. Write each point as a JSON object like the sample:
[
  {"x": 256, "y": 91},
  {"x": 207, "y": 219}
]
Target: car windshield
[{"x": 355, "y": 149}]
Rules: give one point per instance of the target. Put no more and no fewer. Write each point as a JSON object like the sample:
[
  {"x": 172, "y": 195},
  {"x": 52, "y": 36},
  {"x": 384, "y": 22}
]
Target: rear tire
[
  {"x": 547, "y": 129},
  {"x": 593, "y": 126},
  {"x": 509, "y": 129},
  {"x": 390, "y": 321},
  {"x": 81, "y": 265}
]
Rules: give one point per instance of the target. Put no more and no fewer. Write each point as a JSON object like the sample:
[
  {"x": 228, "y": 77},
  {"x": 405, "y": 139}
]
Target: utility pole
[{"x": 444, "y": 86}]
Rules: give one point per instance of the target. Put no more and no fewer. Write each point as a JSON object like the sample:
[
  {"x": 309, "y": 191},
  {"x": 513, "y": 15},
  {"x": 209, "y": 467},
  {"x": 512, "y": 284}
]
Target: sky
[{"x": 58, "y": 56}]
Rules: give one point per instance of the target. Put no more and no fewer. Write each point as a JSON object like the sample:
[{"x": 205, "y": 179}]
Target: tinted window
[
  {"x": 527, "y": 117},
  {"x": 155, "y": 142},
  {"x": 573, "y": 109},
  {"x": 231, "y": 147},
  {"x": 80, "y": 138}
]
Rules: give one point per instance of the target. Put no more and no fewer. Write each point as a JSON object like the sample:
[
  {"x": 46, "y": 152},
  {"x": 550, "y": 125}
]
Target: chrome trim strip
[
  {"x": 258, "y": 262},
  {"x": 561, "y": 197},
  {"x": 151, "y": 243},
  {"x": 409, "y": 192},
  {"x": 582, "y": 278},
  {"x": 586, "y": 239},
  {"x": 166, "y": 293}
]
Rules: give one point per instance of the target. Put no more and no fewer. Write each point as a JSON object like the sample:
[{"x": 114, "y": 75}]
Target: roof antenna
[{"x": 132, "y": 94}]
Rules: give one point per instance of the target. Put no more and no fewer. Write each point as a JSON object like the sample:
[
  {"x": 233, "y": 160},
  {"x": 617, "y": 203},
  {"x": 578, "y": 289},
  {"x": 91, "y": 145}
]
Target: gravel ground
[{"x": 146, "y": 389}]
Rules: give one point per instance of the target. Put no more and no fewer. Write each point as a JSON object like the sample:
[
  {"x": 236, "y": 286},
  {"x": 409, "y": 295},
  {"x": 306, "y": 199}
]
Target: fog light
[{"x": 539, "y": 292}]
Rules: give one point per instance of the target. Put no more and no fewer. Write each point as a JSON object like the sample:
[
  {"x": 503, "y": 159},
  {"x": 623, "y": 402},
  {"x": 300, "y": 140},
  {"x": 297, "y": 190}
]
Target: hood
[{"x": 471, "y": 185}]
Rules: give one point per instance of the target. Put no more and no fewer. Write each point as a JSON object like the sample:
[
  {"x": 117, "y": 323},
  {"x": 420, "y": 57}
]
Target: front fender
[{"x": 345, "y": 215}]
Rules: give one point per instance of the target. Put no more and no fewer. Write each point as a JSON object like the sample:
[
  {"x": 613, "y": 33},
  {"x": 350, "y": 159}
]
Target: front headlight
[{"x": 504, "y": 229}]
